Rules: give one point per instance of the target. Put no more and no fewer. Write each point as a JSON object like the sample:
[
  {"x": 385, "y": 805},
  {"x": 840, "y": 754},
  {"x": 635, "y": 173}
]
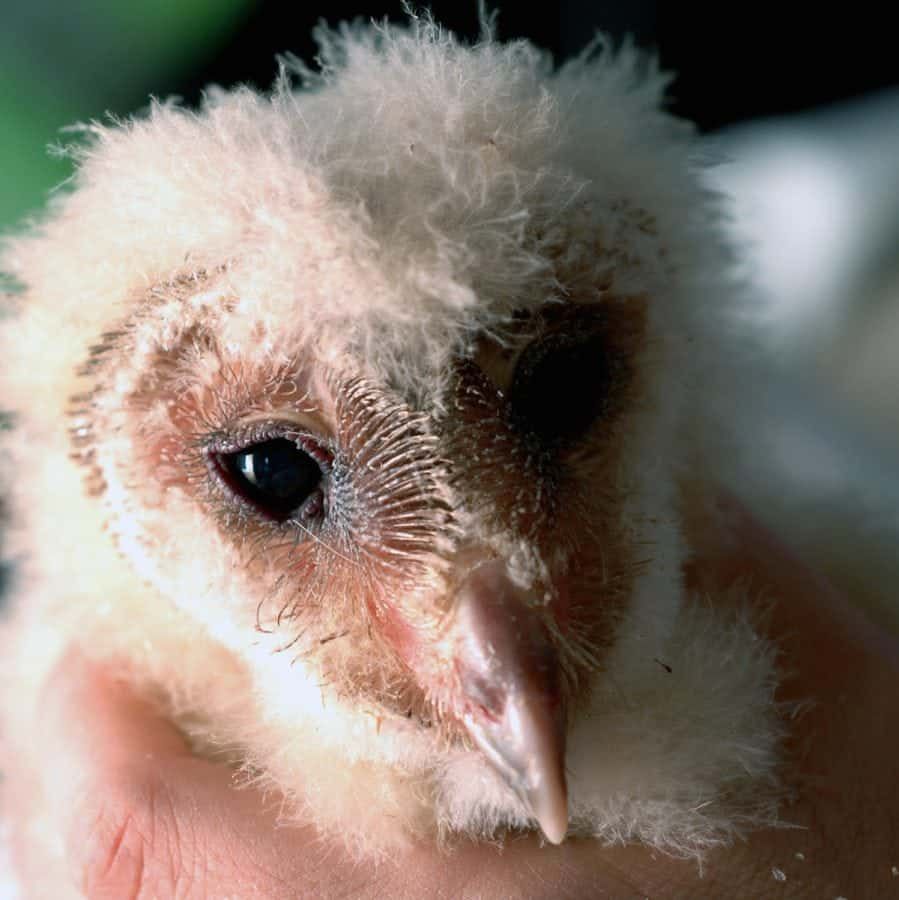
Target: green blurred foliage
[{"x": 66, "y": 62}]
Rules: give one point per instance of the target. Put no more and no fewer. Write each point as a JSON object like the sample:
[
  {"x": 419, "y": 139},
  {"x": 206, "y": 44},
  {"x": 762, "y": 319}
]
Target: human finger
[{"x": 143, "y": 816}]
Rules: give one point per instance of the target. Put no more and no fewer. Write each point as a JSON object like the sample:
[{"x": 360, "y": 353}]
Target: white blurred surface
[
  {"x": 8, "y": 889},
  {"x": 816, "y": 206},
  {"x": 817, "y": 196}
]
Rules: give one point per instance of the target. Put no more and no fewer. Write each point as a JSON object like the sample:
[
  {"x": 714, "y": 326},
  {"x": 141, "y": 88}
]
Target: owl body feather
[{"x": 339, "y": 255}]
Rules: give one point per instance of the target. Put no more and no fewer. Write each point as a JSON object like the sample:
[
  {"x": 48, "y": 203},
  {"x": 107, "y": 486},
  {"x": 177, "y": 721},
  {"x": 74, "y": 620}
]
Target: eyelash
[{"x": 241, "y": 437}]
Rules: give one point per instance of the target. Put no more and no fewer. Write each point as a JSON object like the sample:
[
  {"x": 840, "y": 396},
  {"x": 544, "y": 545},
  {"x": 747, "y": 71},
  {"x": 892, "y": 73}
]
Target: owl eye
[
  {"x": 278, "y": 477},
  {"x": 562, "y": 384}
]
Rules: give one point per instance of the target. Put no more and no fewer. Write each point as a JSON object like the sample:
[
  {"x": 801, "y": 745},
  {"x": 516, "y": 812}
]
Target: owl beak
[{"x": 508, "y": 673}]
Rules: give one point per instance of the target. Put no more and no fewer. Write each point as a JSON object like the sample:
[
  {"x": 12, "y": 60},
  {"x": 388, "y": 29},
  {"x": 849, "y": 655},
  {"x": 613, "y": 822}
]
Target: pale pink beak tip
[{"x": 509, "y": 670}]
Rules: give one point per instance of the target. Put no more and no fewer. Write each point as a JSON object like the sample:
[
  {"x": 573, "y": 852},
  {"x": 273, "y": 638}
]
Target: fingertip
[{"x": 92, "y": 711}]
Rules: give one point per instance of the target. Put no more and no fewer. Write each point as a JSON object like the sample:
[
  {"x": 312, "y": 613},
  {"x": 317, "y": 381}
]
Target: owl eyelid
[
  {"x": 306, "y": 421},
  {"x": 501, "y": 363},
  {"x": 248, "y": 433}
]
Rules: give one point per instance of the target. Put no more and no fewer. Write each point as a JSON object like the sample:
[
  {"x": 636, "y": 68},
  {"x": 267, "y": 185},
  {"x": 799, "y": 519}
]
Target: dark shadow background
[{"x": 734, "y": 61}]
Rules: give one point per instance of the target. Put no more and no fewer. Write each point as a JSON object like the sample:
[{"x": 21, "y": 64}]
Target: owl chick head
[{"x": 381, "y": 380}]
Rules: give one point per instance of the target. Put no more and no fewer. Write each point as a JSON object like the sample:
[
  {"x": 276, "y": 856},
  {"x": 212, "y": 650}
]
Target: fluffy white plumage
[{"x": 383, "y": 245}]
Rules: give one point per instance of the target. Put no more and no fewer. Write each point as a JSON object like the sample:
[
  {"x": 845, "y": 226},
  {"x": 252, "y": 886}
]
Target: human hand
[{"x": 143, "y": 817}]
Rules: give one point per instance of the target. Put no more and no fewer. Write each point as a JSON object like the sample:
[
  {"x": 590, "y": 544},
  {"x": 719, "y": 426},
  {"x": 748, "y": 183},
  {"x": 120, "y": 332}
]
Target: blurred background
[{"x": 801, "y": 99}]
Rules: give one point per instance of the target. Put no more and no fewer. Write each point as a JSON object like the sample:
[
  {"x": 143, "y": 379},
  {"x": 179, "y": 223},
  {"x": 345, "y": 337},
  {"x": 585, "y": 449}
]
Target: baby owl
[{"x": 361, "y": 422}]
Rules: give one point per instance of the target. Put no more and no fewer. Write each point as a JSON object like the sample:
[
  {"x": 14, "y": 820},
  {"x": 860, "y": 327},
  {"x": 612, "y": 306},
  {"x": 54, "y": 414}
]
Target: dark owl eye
[
  {"x": 561, "y": 385},
  {"x": 276, "y": 476}
]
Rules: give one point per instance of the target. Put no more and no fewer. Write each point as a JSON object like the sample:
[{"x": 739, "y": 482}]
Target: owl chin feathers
[{"x": 430, "y": 335}]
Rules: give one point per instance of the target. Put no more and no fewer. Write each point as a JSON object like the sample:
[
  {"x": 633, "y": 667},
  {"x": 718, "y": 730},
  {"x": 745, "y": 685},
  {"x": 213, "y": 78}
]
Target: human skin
[{"x": 143, "y": 817}]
